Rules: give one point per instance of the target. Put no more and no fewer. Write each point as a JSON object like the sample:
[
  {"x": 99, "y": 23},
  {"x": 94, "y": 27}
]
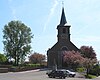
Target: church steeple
[
  {"x": 63, "y": 28},
  {"x": 63, "y": 18}
]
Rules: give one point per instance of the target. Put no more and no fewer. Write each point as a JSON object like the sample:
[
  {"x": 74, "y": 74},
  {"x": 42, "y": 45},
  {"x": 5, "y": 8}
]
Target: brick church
[{"x": 54, "y": 54}]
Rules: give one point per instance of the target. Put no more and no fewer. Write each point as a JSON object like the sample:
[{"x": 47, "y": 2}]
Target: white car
[
  {"x": 48, "y": 71},
  {"x": 70, "y": 73}
]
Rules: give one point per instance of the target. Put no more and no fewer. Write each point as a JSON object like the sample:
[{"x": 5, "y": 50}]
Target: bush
[
  {"x": 24, "y": 67},
  {"x": 80, "y": 69},
  {"x": 3, "y": 59},
  {"x": 32, "y": 65},
  {"x": 95, "y": 70}
]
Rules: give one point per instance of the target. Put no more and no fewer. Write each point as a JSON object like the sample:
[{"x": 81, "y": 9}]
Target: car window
[
  {"x": 60, "y": 72},
  {"x": 53, "y": 71},
  {"x": 65, "y": 72},
  {"x": 57, "y": 71}
]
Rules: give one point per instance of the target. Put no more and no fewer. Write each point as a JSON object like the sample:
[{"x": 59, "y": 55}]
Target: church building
[{"x": 54, "y": 54}]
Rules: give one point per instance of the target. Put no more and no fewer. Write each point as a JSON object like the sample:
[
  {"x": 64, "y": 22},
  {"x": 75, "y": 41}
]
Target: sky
[{"x": 43, "y": 16}]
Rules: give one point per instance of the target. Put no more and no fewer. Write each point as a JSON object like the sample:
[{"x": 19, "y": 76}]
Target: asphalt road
[{"x": 33, "y": 75}]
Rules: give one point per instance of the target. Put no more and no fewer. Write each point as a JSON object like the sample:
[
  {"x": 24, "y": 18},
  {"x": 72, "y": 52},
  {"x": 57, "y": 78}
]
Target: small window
[{"x": 64, "y": 30}]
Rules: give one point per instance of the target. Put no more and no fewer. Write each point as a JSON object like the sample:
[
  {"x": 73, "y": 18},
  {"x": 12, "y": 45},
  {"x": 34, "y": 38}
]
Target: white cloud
[{"x": 52, "y": 10}]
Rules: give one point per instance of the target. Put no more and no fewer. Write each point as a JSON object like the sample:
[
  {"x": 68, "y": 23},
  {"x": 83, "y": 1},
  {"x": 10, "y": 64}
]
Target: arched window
[{"x": 64, "y": 48}]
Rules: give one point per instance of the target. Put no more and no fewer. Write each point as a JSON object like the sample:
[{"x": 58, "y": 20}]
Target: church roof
[{"x": 63, "y": 18}]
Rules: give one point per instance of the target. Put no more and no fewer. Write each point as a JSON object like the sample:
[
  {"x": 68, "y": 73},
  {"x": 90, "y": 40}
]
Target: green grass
[{"x": 90, "y": 76}]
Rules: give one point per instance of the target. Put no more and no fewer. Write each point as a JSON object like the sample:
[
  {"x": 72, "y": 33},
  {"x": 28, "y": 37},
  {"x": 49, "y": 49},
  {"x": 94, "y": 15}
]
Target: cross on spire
[{"x": 62, "y": 3}]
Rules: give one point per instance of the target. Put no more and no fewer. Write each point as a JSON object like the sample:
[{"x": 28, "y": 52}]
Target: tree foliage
[
  {"x": 85, "y": 58},
  {"x": 72, "y": 58},
  {"x": 88, "y": 52},
  {"x": 16, "y": 39},
  {"x": 89, "y": 57},
  {"x": 3, "y": 58},
  {"x": 88, "y": 63},
  {"x": 37, "y": 58}
]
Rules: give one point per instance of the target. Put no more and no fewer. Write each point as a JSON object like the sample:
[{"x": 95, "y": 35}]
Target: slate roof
[{"x": 63, "y": 18}]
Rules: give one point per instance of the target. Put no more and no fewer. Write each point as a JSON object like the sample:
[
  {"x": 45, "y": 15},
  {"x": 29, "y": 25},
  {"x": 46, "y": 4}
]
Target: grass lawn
[{"x": 90, "y": 76}]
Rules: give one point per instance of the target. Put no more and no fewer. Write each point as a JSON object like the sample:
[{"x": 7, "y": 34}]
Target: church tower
[
  {"x": 55, "y": 53},
  {"x": 63, "y": 29}
]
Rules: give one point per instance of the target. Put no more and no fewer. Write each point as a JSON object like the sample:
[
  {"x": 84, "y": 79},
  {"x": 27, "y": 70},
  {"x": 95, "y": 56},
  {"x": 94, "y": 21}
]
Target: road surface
[{"x": 33, "y": 75}]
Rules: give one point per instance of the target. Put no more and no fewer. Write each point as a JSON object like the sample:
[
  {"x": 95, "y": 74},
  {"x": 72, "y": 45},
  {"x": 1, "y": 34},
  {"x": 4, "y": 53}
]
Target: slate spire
[{"x": 63, "y": 18}]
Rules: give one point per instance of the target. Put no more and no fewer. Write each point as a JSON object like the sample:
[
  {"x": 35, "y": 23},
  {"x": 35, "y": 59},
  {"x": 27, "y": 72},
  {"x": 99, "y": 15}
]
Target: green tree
[
  {"x": 95, "y": 70},
  {"x": 16, "y": 39},
  {"x": 3, "y": 58}
]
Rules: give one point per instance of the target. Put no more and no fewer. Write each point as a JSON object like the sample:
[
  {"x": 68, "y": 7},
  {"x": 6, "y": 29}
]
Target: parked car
[
  {"x": 57, "y": 73},
  {"x": 70, "y": 73},
  {"x": 48, "y": 71}
]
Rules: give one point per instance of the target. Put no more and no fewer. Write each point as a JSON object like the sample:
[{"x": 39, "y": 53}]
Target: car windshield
[{"x": 68, "y": 71}]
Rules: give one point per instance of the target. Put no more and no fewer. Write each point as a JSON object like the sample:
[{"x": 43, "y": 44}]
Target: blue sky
[{"x": 43, "y": 16}]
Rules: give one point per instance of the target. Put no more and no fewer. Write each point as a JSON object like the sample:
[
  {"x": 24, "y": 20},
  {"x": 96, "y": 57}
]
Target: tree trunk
[
  {"x": 87, "y": 72},
  {"x": 17, "y": 61}
]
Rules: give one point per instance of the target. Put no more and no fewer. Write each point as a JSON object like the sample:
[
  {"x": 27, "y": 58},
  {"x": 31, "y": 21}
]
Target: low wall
[{"x": 3, "y": 70}]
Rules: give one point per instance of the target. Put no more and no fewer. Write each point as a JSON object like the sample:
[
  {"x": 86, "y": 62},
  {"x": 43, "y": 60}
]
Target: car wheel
[
  {"x": 60, "y": 77},
  {"x": 64, "y": 77},
  {"x": 50, "y": 77},
  {"x": 53, "y": 76},
  {"x": 73, "y": 75},
  {"x": 70, "y": 75}
]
